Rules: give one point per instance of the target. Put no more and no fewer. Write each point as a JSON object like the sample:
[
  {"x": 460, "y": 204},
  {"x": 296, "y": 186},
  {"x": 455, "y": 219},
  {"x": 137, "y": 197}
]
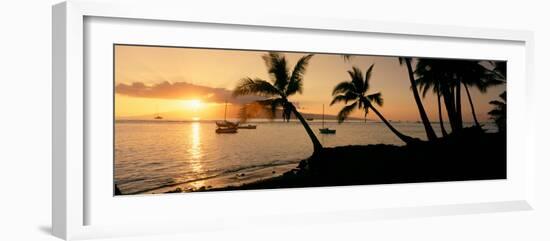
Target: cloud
[{"x": 181, "y": 91}]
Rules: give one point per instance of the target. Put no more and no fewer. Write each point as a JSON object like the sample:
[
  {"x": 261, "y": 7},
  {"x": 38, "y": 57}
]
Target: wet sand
[{"x": 241, "y": 178}]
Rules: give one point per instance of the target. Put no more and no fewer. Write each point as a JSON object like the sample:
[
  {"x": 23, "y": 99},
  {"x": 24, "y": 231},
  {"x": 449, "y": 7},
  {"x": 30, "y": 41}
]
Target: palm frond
[
  {"x": 376, "y": 98},
  {"x": 347, "y": 97},
  {"x": 496, "y": 112},
  {"x": 295, "y": 83},
  {"x": 503, "y": 95},
  {"x": 278, "y": 69},
  {"x": 368, "y": 74},
  {"x": 249, "y": 86},
  {"x": 344, "y": 87},
  {"x": 344, "y": 112},
  {"x": 347, "y": 57},
  {"x": 356, "y": 78},
  {"x": 403, "y": 59},
  {"x": 500, "y": 69},
  {"x": 424, "y": 85},
  {"x": 497, "y": 103},
  {"x": 272, "y": 104}
]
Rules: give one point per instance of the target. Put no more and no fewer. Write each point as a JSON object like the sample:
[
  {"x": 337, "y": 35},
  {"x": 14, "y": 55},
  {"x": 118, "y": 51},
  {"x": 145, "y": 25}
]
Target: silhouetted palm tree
[
  {"x": 282, "y": 85},
  {"x": 498, "y": 113},
  {"x": 499, "y": 68},
  {"x": 430, "y": 133},
  {"x": 437, "y": 74},
  {"x": 356, "y": 90},
  {"x": 441, "y": 123},
  {"x": 425, "y": 84},
  {"x": 450, "y": 76},
  {"x": 475, "y": 74}
]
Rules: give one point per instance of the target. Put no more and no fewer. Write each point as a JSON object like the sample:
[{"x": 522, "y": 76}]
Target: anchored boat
[
  {"x": 226, "y": 126},
  {"x": 226, "y": 130},
  {"x": 246, "y": 126},
  {"x": 326, "y": 130}
]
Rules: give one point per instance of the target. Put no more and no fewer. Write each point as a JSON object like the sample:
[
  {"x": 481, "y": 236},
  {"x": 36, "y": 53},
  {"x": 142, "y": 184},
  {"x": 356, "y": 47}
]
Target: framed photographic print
[
  {"x": 309, "y": 120},
  {"x": 301, "y": 119}
]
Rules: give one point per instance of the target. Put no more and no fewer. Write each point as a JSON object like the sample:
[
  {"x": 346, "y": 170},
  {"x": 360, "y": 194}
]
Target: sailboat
[
  {"x": 157, "y": 116},
  {"x": 226, "y": 126},
  {"x": 326, "y": 130}
]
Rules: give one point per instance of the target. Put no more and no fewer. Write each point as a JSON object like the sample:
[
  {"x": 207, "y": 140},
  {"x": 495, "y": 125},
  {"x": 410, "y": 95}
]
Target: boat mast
[
  {"x": 323, "y": 116},
  {"x": 225, "y": 113}
]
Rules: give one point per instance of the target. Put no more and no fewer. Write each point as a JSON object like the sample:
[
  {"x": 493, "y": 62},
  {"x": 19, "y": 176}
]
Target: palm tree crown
[
  {"x": 498, "y": 113},
  {"x": 447, "y": 77},
  {"x": 283, "y": 84},
  {"x": 355, "y": 91}
]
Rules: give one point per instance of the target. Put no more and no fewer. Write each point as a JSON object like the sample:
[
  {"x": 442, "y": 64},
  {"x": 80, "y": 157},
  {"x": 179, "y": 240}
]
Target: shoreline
[
  {"x": 473, "y": 155},
  {"x": 220, "y": 181}
]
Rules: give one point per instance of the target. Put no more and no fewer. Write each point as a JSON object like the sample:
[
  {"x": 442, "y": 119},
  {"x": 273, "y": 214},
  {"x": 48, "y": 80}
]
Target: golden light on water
[{"x": 195, "y": 152}]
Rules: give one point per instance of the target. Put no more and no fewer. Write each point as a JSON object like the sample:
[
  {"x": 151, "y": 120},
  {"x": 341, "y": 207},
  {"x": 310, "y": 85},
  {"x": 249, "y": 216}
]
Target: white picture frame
[{"x": 74, "y": 194}]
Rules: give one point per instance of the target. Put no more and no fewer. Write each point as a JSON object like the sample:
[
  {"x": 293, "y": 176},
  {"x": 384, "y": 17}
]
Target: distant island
[{"x": 233, "y": 113}]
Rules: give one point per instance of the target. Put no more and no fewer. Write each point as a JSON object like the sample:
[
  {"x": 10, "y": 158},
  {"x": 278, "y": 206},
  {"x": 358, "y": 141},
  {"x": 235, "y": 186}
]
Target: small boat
[
  {"x": 309, "y": 119},
  {"x": 226, "y": 126},
  {"x": 326, "y": 130},
  {"x": 226, "y": 130},
  {"x": 225, "y": 123},
  {"x": 157, "y": 116},
  {"x": 246, "y": 126}
]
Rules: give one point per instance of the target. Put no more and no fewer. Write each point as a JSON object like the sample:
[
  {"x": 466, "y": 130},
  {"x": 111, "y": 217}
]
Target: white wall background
[{"x": 25, "y": 120}]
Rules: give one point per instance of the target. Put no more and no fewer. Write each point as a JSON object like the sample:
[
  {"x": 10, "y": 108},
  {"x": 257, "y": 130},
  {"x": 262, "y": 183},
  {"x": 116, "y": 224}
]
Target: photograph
[{"x": 190, "y": 119}]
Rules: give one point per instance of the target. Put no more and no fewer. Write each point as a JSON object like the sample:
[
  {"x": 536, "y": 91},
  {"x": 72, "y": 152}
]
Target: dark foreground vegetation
[{"x": 472, "y": 155}]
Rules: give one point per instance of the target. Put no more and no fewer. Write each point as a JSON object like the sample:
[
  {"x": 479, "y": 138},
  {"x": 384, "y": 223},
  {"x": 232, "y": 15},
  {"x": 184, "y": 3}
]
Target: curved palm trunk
[
  {"x": 471, "y": 105},
  {"x": 404, "y": 138},
  {"x": 458, "y": 105},
  {"x": 430, "y": 133},
  {"x": 443, "y": 131},
  {"x": 317, "y": 147},
  {"x": 448, "y": 99}
]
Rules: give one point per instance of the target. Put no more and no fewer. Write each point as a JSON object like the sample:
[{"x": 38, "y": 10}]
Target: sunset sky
[{"x": 190, "y": 83}]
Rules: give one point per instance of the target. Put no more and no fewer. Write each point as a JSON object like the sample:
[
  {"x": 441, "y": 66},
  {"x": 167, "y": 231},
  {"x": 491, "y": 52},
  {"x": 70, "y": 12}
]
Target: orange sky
[{"x": 191, "y": 82}]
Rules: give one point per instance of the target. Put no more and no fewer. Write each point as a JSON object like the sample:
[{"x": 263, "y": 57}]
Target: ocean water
[{"x": 156, "y": 156}]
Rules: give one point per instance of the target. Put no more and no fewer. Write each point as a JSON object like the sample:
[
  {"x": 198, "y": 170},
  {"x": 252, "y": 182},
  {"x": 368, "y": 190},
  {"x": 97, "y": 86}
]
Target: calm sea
[{"x": 157, "y": 156}]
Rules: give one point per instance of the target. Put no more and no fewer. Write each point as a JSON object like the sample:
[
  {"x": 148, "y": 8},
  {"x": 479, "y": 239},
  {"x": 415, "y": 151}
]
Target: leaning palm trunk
[
  {"x": 443, "y": 131},
  {"x": 471, "y": 105},
  {"x": 449, "y": 105},
  {"x": 317, "y": 147},
  {"x": 404, "y": 138},
  {"x": 430, "y": 133},
  {"x": 458, "y": 105}
]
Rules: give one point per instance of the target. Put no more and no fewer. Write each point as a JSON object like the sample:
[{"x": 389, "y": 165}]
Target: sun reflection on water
[{"x": 195, "y": 153}]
